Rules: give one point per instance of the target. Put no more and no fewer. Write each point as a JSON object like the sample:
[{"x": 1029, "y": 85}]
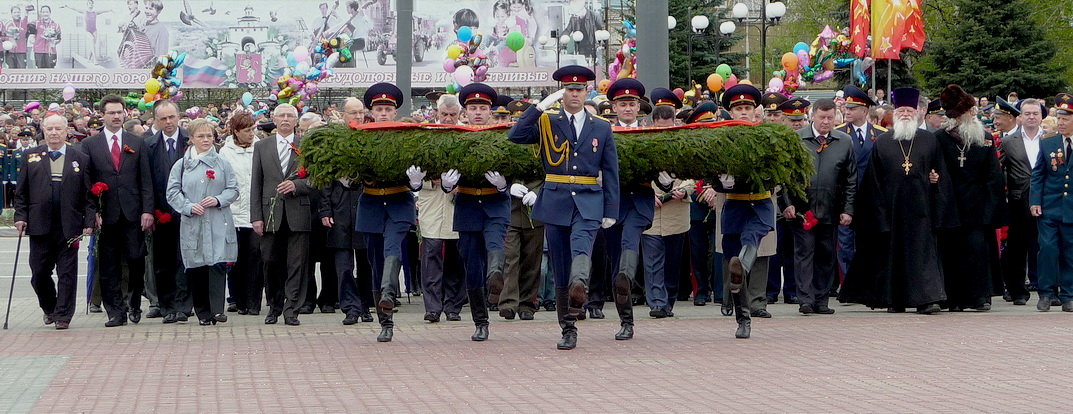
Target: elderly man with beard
[
  {"x": 905, "y": 197},
  {"x": 970, "y": 261}
]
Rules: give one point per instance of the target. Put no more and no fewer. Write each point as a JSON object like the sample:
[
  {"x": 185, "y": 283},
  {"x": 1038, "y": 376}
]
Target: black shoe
[
  {"x": 271, "y": 319},
  {"x": 189, "y": 314},
  {"x": 596, "y": 313},
  {"x": 929, "y": 309},
  {"x": 745, "y": 329},
  {"x": 762, "y": 313},
  {"x": 366, "y": 316},
  {"x": 657, "y": 313},
  {"x": 291, "y": 320},
  {"x": 253, "y": 312},
  {"x": 432, "y": 317},
  {"x": 1044, "y": 304},
  {"x": 219, "y": 317},
  {"x": 670, "y": 314},
  {"x": 1054, "y": 302},
  {"x": 1067, "y": 306},
  {"x": 242, "y": 311},
  {"x": 895, "y": 310},
  {"x": 206, "y": 322},
  {"x": 169, "y": 318},
  {"x": 453, "y": 317},
  {"x": 792, "y": 300},
  {"x": 305, "y": 310},
  {"x": 1020, "y": 302},
  {"x": 549, "y": 306},
  {"x": 805, "y": 309},
  {"x": 625, "y": 333},
  {"x": 350, "y": 319},
  {"x": 824, "y": 310},
  {"x": 385, "y": 335},
  {"x": 481, "y": 334},
  {"x": 983, "y": 308},
  {"x": 1006, "y": 297},
  {"x": 700, "y": 301},
  {"x": 568, "y": 342},
  {"x": 135, "y": 316},
  {"x": 525, "y": 315},
  {"x": 181, "y": 317},
  {"x": 95, "y": 308},
  {"x": 154, "y": 313},
  {"x": 327, "y": 309},
  {"x": 116, "y": 321},
  {"x": 507, "y": 314},
  {"x": 772, "y": 300},
  {"x": 49, "y": 319},
  {"x": 231, "y": 307},
  {"x": 726, "y": 308}
]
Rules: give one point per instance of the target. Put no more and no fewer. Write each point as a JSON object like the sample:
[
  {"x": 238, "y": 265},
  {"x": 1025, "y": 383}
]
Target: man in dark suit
[
  {"x": 338, "y": 208},
  {"x": 864, "y": 135},
  {"x": 55, "y": 219},
  {"x": 830, "y": 199},
  {"x": 124, "y": 212},
  {"x": 1050, "y": 203},
  {"x": 164, "y": 149},
  {"x": 279, "y": 213},
  {"x": 1017, "y": 260}
]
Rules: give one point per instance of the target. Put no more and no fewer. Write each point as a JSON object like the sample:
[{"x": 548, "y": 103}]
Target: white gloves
[
  {"x": 449, "y": 179},
  {"x": 727, "y": 180},
  {"x": 496, "y": 180},
  {"x": 416, "y": 176},
  {"x": 551, "y": 100},
  {"x": 665, "y": 179},
  {"x": 529, "y": 199},
  {"x": 608, "y": 222},
  {"x": 345, "y": 182},
  {"x": 518, "y": 190}
]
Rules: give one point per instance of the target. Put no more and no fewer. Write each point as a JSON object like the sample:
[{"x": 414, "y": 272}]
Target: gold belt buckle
[{"x": 573, "y": 179}]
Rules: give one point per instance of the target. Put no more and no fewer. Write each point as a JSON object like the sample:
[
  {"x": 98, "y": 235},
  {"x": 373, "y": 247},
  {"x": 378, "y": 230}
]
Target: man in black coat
[
  {"x": 338, "y": 208},
  {"x": 118, "y": 159},
  {"x": 52, "y": 206},
  {"x": 830, "y": 200},
  {"x": 164, "y": 148}
]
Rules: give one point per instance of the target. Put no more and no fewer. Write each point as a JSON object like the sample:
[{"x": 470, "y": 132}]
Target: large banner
[{"x": 243, "y": 44}]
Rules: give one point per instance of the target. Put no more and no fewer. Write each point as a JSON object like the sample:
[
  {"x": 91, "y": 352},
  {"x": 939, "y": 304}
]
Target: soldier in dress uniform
[
  {"x": 386, "y": 212},
  {"x": 748, "y": 214},
  {"x": 781, "y": 264},
  {"x": 796, "y": 111},
  {"x": 517, "y": 108},
  {"x": 482, "y": 213},
  {"x": 772, "y": 113},
  {"x": 863, "y": 135},
  {"x": 1051, "y": 204},
  {"x": 500, "y": 113},
  {"x": 575, "y": 148},
  {"x": 606, "y": 111}
]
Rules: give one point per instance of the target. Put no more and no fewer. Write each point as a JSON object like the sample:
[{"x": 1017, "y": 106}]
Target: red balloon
[{"x": 679, "y": 93}]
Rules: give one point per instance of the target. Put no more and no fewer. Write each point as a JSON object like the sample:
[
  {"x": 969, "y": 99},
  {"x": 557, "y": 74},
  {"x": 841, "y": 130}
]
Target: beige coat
[
  {"x": 767, "y": 244},
  {"x": 435, "y": 212},
  {"x": 673, "y": 217}
]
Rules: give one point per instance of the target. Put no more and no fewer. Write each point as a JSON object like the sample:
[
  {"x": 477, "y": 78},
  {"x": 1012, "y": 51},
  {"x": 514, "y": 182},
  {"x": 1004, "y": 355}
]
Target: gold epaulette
[
  {"x": 879, "y": 128},
  {"x": 602, "y": 118},
  {"x": 840, "y": 126}
]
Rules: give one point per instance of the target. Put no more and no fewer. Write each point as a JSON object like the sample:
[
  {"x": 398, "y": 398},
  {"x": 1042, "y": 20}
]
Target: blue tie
[
  {"x": 55, "y": 155},
  {"x": 860, "y": 137},
  {"x": 573, "y": 129}
]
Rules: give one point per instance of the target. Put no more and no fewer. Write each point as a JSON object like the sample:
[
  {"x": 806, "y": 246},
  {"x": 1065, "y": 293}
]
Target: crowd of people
[{"x": 913, "y": 203}]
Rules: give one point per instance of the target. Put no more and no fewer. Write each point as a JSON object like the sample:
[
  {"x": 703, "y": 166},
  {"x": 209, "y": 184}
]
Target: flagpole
[{"x": 888, "y": 79}]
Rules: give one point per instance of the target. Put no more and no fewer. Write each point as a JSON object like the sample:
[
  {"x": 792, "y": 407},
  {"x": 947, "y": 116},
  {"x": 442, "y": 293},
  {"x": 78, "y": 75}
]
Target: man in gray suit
[
  {"x": 830, "y": 199},
  {"x": 282, "y": 217}
]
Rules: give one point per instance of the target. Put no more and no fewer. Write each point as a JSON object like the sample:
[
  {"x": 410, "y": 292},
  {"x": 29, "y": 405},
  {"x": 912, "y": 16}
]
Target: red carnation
[
  {"x": 128, "y": 149},
  {"x": 162, "y": 217},
  {"x": 302, "y": 173},
  {"x": 699, "y": 187},
  {"x": 810, "y": 221},
  {"x": 75, "y": 245},
  {"x": 211, "y": 174},
  {"x": 98, "y": 188}
]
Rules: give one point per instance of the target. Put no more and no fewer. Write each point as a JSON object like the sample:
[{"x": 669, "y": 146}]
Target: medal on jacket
[
  {"x": 74, "y": 164},
  {"x": 1054, "y": 162},
  {"x": 1061, "y": 157},
  {"x": 595, "y": 144}
]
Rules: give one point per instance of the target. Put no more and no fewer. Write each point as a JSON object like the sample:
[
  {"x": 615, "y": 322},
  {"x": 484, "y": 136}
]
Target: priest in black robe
[
  {"x": 904, "y": 198},
  {"x": 971, "y": 266}
]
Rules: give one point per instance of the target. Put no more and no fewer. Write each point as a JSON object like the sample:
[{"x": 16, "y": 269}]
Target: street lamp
[
  {"x": 700, "y": 25},
  {"x": 602, "y": 37},
  {"x": 770, "y": 15}
]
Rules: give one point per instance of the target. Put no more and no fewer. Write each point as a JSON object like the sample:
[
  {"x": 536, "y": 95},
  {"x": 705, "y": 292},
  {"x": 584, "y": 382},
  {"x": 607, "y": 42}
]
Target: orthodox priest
[
  {"x": 905, "y": 196},
  {"x": 969, "y": 256}
]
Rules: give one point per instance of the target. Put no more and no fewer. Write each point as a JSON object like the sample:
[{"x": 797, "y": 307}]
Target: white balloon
[
  {"x": 8, "y": 45},
  {"x": 333, "y": 60}
]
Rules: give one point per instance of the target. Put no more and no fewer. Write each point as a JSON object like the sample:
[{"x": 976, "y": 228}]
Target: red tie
[{"x": 115, "y": 151}]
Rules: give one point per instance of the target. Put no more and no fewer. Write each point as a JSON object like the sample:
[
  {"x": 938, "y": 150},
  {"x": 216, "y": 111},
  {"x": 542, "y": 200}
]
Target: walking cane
[{"x": 11, "y": 291}]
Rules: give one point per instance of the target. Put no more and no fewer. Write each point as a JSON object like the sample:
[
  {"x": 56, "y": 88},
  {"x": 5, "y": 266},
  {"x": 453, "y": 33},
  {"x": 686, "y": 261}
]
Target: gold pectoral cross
[
  {"x": 906, "y": 165},
  {"x": 961, "y": 159}
]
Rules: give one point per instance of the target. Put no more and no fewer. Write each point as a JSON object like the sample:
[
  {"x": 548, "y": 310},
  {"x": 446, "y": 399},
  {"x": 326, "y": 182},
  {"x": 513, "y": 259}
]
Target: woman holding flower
[{"x": 202, "y": 187}]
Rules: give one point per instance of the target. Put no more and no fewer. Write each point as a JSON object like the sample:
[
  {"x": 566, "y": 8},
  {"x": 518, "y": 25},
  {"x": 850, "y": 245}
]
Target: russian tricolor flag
[{"x": 204, "y": 72}]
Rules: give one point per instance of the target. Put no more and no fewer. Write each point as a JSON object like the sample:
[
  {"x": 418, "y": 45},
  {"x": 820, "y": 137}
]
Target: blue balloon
[
  {"x": 247, "y": 98},
  {"x": 464, "y": 34},
  {"x": 800, "y": 46},
  {"x": 291, "y": 60},
  {"x": 180, "y": 59},
  {"x": 631, "y": 33},
  {"x": 176, "y": 81}
]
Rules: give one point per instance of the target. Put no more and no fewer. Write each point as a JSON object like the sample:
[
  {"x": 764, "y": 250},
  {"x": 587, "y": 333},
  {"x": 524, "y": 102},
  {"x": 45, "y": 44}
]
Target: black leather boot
[
  {"x": 741, "y": 314},
  {"x": 389, "y": 285},
  {"x": 387, "y": 326},
  {"x": 578, "y": 291},
  {"x": 623, "y": 284},
  {"x": 496, "y": 260},
  {"x": 566, "y": 320},
  {"x": 479, "y": 309}
]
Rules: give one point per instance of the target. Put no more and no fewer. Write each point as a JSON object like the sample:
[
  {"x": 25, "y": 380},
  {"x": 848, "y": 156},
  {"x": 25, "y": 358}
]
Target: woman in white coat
[{"x": 201, "y": 187}]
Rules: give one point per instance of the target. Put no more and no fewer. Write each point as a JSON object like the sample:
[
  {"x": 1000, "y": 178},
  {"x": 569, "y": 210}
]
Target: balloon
[
  {"x": 247, "y": 98},
  {"x": 152, "y": 86},
  {"x": 291, "y": 59},
  {"x": 480, "y": 72},
  {"x": 454, "y": 51},
  {"x": 843, "y": 63},
  {"x": 799, "y": 47},
  {"x": 515, "y": 41},
  {"x": 31, "y": 106},
  {"x": 475, "y": 41},
  {"x": 463, "y": 75},
  {"x": 723, "y": 70},
  {"x": 149, "y": 97},
  {"x": 715, "y": 82},
  {"x": 449, "y": 66},
  {"x": 604, "y": 84},
  {"x": 180, "y": 59},
  {"x": 679, "y": 93},
  {"x": 68, "y": 92},
  {"x": 451, "y": 88},
  {"x": 332, "y": 60},
  {"x": 789, "y": 62},
  {"x": 745, "y": 82},
  {"x": 803, "y": 58},
  {"x": 301, "y": 69},
  {"x": 301, "y": 54},
  {"x": 822, "y": 76},
  {"x": 178, "y": 96},
  {"x": 731, "y": 81},
  {"x": 8, "y": 45},
  {"x": 775, "y": 85},
  {"x": 465, "y": 33}
]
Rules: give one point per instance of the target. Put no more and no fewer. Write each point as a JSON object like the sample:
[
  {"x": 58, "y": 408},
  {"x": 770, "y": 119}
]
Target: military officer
[
  {"x": 863, "y": 134},
  {"x": 386, "y": 211},
  {"x": 482, "y": 213},
  {"x": 500, "y": 113},
  {"x": 772, "y": 113},
  {"x": 1051, "y": 204},
  {"x": 796, "y": 111},
  {"x": 575, "y": 148}
]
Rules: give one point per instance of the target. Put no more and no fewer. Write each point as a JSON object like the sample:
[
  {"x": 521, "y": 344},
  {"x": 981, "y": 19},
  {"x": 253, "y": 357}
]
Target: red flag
[
  {"x": 896, "y": 24},
  {"x": 860, "y": 22},
  {"x": 913, "y": 36}
]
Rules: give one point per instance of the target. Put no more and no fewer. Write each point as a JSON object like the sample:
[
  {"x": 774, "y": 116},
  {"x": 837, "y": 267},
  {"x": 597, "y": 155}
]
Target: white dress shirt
[{"x": 1032, "y": 146}]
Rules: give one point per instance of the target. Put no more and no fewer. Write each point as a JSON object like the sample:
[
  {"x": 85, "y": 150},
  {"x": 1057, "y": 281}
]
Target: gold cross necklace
[{"x": 906, "y": 165}]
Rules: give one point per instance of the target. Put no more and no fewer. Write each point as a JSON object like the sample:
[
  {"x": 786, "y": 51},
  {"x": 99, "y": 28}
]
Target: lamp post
[
  {"x": 770, "y": 15},
  {"x": 602, "y": 37},
  {"x": 700, "y": 24}
]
